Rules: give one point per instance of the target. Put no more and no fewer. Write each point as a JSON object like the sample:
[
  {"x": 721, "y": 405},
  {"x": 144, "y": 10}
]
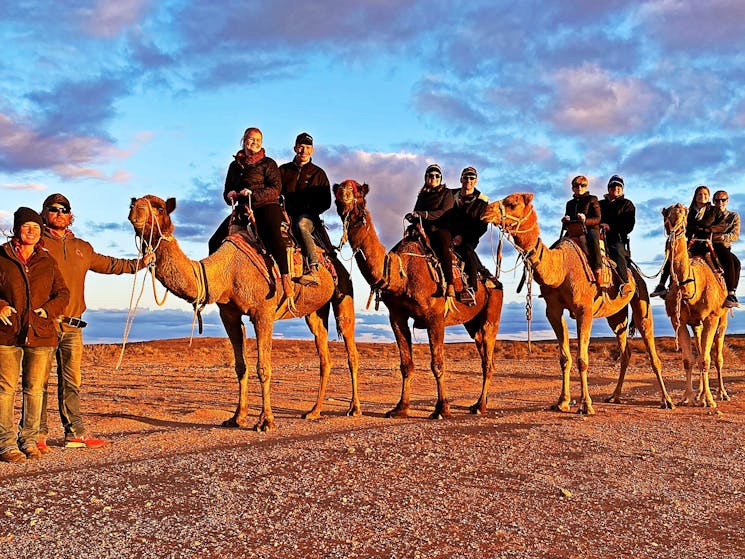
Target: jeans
[
  {"x": 69, "y": 358},
  {"x": 304, "y": 227},
  {"x": 617, "y": 252},
  {"x": 32, "y": 365}
]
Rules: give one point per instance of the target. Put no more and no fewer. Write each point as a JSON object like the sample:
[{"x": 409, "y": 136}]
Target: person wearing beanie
[
  {"x": 75, "y": 258},
  {"x": 307, "y": 194},
  {"x": 617, "y": 219},
  {"x": 584, "y": 207},
  {"x": 433, "y": 203},
  {"x": 32, "y": 295},
  {"x": 467, "y": 229}
]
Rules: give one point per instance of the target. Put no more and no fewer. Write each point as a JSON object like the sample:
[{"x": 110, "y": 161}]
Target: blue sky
[{"x": 103, "y": 101}]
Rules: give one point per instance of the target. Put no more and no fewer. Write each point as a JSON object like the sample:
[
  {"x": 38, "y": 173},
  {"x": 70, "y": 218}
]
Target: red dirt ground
[{"x": 520, "y": 481}]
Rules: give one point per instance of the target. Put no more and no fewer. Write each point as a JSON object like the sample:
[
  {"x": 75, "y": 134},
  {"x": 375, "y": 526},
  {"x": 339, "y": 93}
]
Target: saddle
[{"x": 576, "y": 233}]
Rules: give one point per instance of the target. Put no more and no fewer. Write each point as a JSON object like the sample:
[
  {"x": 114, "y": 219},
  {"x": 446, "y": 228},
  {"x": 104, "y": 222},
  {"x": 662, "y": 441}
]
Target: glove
[
  {"x": 233, "y": 195},
  {"x": 245, "y": 192},
  {"x": 581, "y": 217},
  {"x": 41, "y": 312}
]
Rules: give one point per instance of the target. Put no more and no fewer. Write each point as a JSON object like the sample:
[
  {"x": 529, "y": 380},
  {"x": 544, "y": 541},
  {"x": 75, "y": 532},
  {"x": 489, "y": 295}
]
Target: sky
[{"x": 103, "y": 101}]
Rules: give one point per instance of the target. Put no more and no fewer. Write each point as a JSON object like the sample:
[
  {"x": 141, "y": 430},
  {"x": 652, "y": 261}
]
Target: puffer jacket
[
  {"x": 620, "y": 216},
  {"x": 586, "y": 204},
  {"x": 261, "y": 178},
  {"x": 306, "y": 189},
  {"x": 28, "y": 286}
]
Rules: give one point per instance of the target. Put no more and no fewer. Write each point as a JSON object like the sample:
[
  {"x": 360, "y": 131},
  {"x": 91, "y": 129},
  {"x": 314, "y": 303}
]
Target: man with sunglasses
[
  {"x": 584, "y": 207},
  {"x": 74, "y": 257},
  {"x": 724, "y": 232}
]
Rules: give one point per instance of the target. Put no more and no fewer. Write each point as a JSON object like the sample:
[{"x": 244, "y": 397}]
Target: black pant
[
  {"x": 440, "y": 241},
  {"x": 730, "y": 266},
  {"x": 617, "y": 252},
  {"x": 269, "y": 220},
  {"x": 471, "y": 261},
  {"x": 593, "y": 248}
]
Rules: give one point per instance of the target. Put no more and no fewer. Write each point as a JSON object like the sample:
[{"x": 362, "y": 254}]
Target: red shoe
[
  {"x": 83, "y": 441},
  {"x": 41, "y": 444}
]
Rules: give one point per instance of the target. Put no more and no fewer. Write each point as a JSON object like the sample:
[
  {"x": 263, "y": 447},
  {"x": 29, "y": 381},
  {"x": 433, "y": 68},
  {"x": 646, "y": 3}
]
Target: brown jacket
[
  {"x": 75, "y": 257},
  {"x": 25, "y": 287}
]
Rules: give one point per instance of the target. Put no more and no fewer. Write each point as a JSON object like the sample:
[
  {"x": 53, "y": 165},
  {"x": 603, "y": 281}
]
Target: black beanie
[{"x": 24, "y": 215}]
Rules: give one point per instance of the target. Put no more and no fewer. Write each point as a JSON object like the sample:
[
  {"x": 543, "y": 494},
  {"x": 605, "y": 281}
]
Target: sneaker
[
  {"x": 731, "y": 302},
  {"x": 13, "y": 456},
  {"x": 83, "y": 441},
  {"x": 41, "y": 444},
  {"x": 32, "y": 453},
  {"x": 659, "y": 291}
]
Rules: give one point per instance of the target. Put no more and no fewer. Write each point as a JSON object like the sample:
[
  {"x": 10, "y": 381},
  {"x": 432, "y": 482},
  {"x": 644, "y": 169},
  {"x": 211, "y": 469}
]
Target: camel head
[
  {"x": 675, "y": 218},
  {"x": 350, "y": 199},
  {"x": 150, "y": 217},
  {"x": 510, "y": 212}
]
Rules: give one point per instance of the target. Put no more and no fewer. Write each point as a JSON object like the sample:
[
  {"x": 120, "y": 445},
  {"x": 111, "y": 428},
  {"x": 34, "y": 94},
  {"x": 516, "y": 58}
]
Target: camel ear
[
  {"x": 170, "y": 205},
  {"x": 335, "y": 188},
  {"x": 364, "y": 188},
  {"x": 527, "y": 197}
]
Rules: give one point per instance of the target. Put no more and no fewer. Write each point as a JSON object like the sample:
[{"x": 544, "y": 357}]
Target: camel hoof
[
  {"x": 724, "y": 397},
  {"x": 667, "y": 404},
  {"x": 354, "y": 411},
  {"x": 311, "y": 415},
  {"x": 476, "y": 409},
  {"x": 265, "y": 426},
  {"x": 708, "y": 404},
  {"x": 561, "y": 407},
  {"x": 586, "y": 410},
  {"x": 440, "y": 415},
  {"x": 234, "y": 422},
  {"x": 685, "y": 402},
  {"x": 613, "y": 399},
  {"x": 397, "y": 413}
]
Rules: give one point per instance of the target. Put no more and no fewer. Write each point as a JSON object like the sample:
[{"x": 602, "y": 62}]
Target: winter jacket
[
  {"x": 306, "y": 189},
  {"x": 465, "y": 217},
  {"x": 700, "y": 228},
  {"x": 434, "y": 205},
  {"x": 261, "y": 178},
  {"x": 75, "y": 257},
  {"x": 35, "y": 284},
  {"x": 726, "y": 230},
  {"x": 586, "y": 204},
  {"x": 620, "y": 216}
]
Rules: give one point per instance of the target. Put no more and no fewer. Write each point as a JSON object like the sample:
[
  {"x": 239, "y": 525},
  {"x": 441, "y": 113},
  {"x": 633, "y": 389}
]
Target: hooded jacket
[{"x": 35, "y": 284}]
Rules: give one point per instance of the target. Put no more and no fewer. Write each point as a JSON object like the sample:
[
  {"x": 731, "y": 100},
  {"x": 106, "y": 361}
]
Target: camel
[
  {"x": 565, "y": 284},
  {"x": 695, "y": 299},
  {"x": 233, "y": 281},
  {"x": 402, "y": 279}
]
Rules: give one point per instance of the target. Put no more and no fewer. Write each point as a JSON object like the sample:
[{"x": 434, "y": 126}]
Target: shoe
[
  {"x": 13, "y": 456},
  {"x": 32, "y": 453},
  {"x": 659, "y": 291},
  {"x": 41, "y": 444},
  {"x": 731, "y": 301},
  {"x": 83, "y": 441}
]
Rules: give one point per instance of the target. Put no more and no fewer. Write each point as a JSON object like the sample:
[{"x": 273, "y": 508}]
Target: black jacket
[
  {"x": 620, "y": 215},
  {"x": 586, "y": 204},
  {"x": 306, "y": 189},
  {"x": 465, "y": 217},
  {"x": 434, "y": 204},
  {"x": 701, "y": 228},
  {"x": 262, "y": 179}
]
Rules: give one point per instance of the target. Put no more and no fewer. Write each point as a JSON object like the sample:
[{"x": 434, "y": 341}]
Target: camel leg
[
  {"x": 584, "y": 329},
  {"x": 402, "y": 332},
  {"x": 318, "y": 323},
  {"x": 710, "y": 329},
  {"x": 642, "y": 316},
  {"x": 619, "y": 323},
  {"x": 264, "y": 325},
  {"x": 684, "y": 342},
  {"x": 237, "y": 334},
  {"x": 344, "y": 313},
  {"x": 436, "y": 336},
  {"x": 555, "y": 317},
  {"x": 483, "y": 329},
  {"x": 719, "y": 357}
]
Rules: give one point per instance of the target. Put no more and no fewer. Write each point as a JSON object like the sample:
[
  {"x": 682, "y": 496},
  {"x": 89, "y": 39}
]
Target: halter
[{"x": 511, "y": 224}]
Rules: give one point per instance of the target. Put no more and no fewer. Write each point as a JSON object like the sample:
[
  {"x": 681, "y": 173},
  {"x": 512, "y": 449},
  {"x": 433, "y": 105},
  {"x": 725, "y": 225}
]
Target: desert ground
[{"x": 633, "y": 480}]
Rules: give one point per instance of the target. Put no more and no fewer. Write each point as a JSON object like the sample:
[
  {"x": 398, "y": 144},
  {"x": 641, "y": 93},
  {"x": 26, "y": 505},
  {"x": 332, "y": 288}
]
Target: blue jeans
[
  {"x": 32, "y": 365},
  {"x": 69, "y": 358}
]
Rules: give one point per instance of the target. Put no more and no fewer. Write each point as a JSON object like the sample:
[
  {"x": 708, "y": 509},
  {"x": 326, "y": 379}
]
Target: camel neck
[{"x": 370, "y": 254}]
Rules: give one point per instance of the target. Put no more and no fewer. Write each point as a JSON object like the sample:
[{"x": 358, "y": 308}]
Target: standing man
[
  {"x": 74, "y": 257},
  {"x": 618, "y": 217},
  {"x": 307, "y": 193},
  {"x": 467, "y": 228}
]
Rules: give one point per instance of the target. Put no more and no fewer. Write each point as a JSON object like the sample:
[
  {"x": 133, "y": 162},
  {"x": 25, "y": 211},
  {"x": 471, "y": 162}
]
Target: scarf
[{"x": 244, "y": 158}]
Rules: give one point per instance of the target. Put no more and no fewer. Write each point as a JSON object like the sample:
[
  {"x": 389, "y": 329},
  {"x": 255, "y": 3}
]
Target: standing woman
[
  {"x": 253, "y": 174},
  {"x": 32, "y": 296},
  {"x": 433, "y": 203}
]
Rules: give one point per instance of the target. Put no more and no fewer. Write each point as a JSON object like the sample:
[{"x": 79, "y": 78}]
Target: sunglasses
[
  {"x": 57, "y": 210},
  {"x": 579, "y": 185},
  {"x": 434, "y": 175},
  {"x": 468, "y": 178},
  {"x": 721, "y": 199}
]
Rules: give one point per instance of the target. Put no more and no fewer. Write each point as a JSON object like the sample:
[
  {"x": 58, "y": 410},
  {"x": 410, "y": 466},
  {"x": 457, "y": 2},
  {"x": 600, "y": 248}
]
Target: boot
[
  {"x": 311, "y": 277},
  {"x": 450, "y": 291}
]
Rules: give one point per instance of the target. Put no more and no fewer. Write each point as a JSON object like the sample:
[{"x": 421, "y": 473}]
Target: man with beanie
[
  {"x": 75, "y": 257},
  {"x": 307, "y": 194},
  {"x": 618, "y": 217},
  {"x": 32, "y": 295},
  {"x": 467, "y": 228}
]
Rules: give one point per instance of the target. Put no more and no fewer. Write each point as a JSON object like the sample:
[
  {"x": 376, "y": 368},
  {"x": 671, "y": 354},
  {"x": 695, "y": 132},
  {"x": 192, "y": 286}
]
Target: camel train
[{"x": 241, "y": 282}]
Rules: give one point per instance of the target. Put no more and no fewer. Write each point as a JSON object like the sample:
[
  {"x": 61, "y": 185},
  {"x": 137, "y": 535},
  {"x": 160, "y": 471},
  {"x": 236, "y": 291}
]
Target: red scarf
[{"x": 248, "y": 158}]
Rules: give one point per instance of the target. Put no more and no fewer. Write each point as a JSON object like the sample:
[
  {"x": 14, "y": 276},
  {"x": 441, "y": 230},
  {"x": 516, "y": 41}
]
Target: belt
[{"x": 74, "y": 321}]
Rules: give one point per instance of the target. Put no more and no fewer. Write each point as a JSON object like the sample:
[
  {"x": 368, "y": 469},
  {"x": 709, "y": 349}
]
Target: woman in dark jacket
[
  {"x": 32, "y": 296},
  {"x": 432, "y": 205},
  {"x": 253, "y": 174}
]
